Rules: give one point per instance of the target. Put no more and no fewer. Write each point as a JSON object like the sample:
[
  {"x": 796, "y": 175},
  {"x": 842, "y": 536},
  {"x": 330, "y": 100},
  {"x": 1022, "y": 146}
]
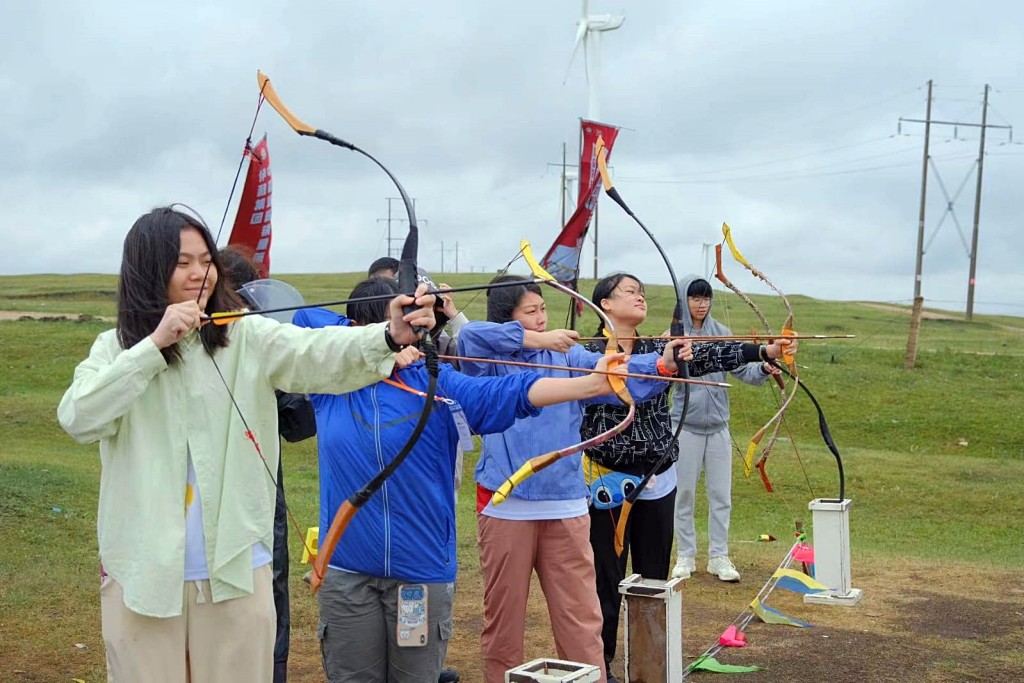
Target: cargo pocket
[
  {"x": 321, "y": 636},
  {"x": 446, "y": 628}
]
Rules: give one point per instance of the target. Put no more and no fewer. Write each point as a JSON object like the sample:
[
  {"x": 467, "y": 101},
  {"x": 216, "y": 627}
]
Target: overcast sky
[{"x": 779, "y": 118}]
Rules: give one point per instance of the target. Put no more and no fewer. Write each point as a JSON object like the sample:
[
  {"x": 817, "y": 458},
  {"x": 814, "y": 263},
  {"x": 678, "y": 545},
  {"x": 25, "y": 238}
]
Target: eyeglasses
[
  {"x": 701, "y": 300},
  {"x": 632, "y": 293}
]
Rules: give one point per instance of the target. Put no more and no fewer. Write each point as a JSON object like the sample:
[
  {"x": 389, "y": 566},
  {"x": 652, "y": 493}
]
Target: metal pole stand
[
  {"x": 652, "y": 640},
  {"x": 831, "y": 531},
  {"x": 553, "y": 671}
]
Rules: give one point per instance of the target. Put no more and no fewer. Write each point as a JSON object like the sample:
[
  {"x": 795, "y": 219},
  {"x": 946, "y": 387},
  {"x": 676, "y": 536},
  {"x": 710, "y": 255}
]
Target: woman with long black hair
[{"x": 186, "y": 506}]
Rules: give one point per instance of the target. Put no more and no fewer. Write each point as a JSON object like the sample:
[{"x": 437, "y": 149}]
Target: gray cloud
[{"x": 780, "y": 119}]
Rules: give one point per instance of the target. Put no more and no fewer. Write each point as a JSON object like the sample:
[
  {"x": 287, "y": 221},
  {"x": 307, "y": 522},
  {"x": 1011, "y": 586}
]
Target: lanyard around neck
[{"x": 399, "y": 384}]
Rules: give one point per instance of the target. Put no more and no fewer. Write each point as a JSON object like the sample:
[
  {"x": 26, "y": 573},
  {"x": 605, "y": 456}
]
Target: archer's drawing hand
[
  {"x": 449, "y": 303},
  {"x": 179, "y": 319},
  {"x": 559, "y": 340},
  {"x": 406, "y": 357},
  {"x": 402, "y": 324}
]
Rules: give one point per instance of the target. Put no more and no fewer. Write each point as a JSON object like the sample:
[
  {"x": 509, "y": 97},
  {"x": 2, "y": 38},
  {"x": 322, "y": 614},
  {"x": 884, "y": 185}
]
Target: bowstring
[{"x": 250, "y": 435}]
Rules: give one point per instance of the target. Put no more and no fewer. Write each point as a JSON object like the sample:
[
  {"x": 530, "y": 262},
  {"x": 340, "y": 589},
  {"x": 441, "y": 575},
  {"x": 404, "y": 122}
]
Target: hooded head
[{"x": 696, "y": 291}]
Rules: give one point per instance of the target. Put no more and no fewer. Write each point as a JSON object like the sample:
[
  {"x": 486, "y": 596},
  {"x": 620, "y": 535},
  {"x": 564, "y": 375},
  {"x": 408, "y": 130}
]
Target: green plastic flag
[{"x": 713, "y": 665}]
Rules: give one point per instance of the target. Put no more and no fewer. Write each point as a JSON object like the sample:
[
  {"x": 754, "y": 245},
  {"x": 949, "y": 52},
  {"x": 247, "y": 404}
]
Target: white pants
[
  {"x": 712, "y": 454},
  {"x": 209, "y": 642}
]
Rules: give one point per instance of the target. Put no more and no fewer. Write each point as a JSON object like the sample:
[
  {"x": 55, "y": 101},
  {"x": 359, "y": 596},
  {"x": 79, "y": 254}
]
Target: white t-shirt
[{"x": 195, "y": 538}]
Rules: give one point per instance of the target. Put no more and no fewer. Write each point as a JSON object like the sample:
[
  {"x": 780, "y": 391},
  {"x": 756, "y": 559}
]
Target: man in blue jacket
[{"x": 386, "y": 602}]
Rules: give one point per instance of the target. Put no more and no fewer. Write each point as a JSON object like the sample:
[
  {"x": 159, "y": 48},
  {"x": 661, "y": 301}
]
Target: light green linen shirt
[{"x": 148, "y": 416}]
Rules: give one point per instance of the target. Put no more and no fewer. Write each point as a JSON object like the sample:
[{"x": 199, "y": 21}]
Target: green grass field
[{"x": 934, "y": 456}]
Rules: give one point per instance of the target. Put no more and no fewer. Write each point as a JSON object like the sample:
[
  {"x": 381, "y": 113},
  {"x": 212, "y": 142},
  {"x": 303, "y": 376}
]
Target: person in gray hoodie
[{"x": 705, "y": 443}]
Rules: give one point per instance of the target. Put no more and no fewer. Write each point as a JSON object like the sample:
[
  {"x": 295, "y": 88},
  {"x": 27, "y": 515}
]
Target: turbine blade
[
  {"x": 580, "y": 36},
  {"x": 586, "y": 58}
]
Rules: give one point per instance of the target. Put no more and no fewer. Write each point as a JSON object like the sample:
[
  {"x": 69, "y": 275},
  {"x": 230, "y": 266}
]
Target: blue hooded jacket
[{"x": 406, "y": 530}]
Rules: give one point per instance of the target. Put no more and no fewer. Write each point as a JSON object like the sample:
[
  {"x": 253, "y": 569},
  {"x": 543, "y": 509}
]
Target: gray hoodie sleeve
[{"x": 751, "y": 373}]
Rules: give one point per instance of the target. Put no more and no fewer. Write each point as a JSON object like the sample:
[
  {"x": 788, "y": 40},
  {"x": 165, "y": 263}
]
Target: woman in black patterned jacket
[{"x": 614, "y": 468}]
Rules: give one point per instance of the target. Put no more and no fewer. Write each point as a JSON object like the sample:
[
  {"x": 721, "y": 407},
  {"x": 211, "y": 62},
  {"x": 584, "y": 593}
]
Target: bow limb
[
  {"x": 407, "y": 285},
  {"x": 721, "y": 277},
  {"x": 538, "y": 463},
  {"x": 756, "y": 440},
  {"x": 788, "y": 358},
  {"x": 789, "y": 368},
  {"x": 676, "y": 330},
  {"x": 618, "y": 384}
]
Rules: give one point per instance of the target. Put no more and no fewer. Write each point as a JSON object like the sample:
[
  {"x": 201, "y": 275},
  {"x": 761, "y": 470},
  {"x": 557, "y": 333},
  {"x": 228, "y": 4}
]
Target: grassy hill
[{"x": 934, "y": 456}]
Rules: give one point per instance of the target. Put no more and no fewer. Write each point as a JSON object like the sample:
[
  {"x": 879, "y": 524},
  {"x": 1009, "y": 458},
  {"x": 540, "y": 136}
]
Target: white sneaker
[
  {"x": 684, "y": 567},
  {"x": 723, "y": 568}
]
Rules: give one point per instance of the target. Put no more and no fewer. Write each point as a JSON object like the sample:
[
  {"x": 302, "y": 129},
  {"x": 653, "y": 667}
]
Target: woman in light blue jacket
[{"x": 544, "y": 526}]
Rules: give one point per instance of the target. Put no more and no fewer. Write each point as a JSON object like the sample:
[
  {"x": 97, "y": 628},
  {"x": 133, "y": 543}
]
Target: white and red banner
[
  {"x": 251, "y": 232},
  {"x": 562, "y": 260}
]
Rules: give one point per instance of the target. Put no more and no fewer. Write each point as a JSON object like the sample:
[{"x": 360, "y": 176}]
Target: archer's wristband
[
  {"x": 762, "y": 353},
  {"x": 662, "y": 370},
  {"x": 390, "y": 341}
]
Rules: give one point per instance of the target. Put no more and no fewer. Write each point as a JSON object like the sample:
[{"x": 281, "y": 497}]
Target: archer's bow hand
[
  {"x": 402, "y": 324},
  {"x": 610, "y": 362},
  {"x": 780, "y": 346},
  {"x": 179, "y": 319},
  {"x": 668, "y": 356}
]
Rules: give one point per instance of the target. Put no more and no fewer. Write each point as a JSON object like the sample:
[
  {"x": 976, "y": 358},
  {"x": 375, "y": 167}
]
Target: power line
[
  {"x": 767, "y": 163},
  {"x": 791, "y": 176}
]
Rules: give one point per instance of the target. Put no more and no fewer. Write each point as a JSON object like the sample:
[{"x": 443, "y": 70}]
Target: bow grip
[{"x": 407, "y": 282}]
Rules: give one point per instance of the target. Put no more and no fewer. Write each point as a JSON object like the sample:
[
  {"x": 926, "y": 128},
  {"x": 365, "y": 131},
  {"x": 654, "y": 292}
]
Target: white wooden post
[
  {"x": 831, "y": 541},
  {"x": 652, "y": 640}
]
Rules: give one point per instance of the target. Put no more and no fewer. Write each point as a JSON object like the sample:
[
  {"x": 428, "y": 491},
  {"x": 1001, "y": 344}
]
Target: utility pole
[
  {"x": 565, "y": 176},
  {"x": 564, "y": 189},
  {"x": 977, "y": 209},
  {"x": 445, "y": 251},
  {"x": 915, "y": 320},
  {"x": 910, "y": 360},
  {"x": 389, "y": 220}
]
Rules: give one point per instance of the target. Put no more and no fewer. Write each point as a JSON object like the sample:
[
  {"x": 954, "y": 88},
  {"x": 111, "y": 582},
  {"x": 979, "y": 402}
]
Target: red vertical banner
[
  {"x": 251, "y": 232},
  {"x": 563, "y": 258}
]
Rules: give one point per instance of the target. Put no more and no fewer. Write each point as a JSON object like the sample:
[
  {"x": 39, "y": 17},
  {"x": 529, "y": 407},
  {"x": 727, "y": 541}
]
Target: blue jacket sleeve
[
  {"x": 491, "y": 404},
  {"x": 488, "y": 340},
  {"x": 318, "y": 317},
  {"x": 640, "y": 389}
]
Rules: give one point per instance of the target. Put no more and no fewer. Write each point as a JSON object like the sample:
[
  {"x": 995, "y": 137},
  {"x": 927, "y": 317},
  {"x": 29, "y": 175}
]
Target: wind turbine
[{"x": 591, "y": 26}]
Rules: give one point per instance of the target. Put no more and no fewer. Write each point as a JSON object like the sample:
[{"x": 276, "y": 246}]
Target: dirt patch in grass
[
  {"x": 918, "y": 621},
  {"x": 51, "y": 317}
]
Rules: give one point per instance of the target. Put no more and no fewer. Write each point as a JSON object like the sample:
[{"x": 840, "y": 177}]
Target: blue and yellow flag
[
  {"x": 798, "y": 582},
  {"x": 772, "y": 616}
]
